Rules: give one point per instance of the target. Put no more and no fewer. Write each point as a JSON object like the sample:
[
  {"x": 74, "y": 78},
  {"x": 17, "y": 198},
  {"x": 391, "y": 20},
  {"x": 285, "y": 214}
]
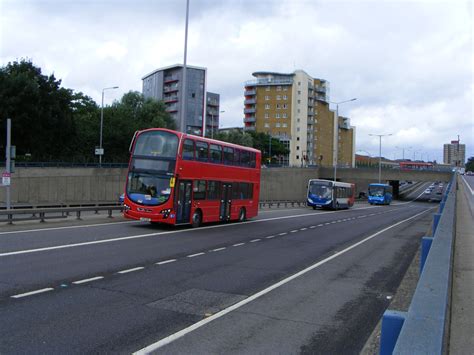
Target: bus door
[
  {"x": 226, "y": 199},
  {"x": 183, "y": 209}
]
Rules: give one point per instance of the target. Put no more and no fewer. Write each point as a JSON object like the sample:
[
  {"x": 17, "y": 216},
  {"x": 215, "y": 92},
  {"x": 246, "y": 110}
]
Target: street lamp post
[
  {"x": 403, "y": 151},
  {"x": 336, "y": 134},
  {"x": 102, "y": 122},
  {"x": 182, "y": 125},
  {"x": 380, "y": 151}
]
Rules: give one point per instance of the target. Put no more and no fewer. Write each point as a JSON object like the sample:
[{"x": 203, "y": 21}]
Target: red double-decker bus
[{"x": 177, "y": 178}]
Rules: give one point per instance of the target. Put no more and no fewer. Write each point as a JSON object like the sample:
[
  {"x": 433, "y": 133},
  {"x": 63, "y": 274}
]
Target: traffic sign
[{"x": 6, "y": 179}]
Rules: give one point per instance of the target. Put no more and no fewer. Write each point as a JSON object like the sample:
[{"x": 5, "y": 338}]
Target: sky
[{"x": 409, "y": 63}]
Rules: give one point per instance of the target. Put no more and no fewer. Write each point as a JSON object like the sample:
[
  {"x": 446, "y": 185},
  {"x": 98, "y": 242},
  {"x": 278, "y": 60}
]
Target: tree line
[{"x": 52, "y": 123}]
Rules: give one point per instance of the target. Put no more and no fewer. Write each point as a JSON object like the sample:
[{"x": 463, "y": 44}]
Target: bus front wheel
[
  {"x": 242, "y": 215},
  {"x": 196, "y": 219}
]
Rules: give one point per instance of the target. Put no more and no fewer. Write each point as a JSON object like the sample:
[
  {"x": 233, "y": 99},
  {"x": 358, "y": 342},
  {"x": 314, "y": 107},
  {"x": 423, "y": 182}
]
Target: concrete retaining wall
[{"x": 36, "y": 186}]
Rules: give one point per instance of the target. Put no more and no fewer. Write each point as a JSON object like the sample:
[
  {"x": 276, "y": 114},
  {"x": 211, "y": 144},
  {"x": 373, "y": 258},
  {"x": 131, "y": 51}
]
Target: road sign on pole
[{"x": 6, "y": 179}]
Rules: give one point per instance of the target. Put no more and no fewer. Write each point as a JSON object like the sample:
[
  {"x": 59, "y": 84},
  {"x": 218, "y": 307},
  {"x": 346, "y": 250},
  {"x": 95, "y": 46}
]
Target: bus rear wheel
[
  {"x": 196, "y": 220},
  {"x": 242, "y": 215}
]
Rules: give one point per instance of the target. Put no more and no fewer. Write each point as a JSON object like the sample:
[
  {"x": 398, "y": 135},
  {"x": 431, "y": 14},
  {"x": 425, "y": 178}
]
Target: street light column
[
  {"x": 380, "y": 152},
  {"x": 102, "y": 122}
]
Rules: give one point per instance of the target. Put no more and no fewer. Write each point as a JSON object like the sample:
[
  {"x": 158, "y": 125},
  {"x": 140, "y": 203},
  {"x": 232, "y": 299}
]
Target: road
[{"x": 289, "y": 281}]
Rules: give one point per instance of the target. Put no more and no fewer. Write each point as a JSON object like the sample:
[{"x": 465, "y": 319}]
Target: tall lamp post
[
  {"x": 336, "y": 133},
  {"x": 101, "y": 152},
  {"x": 403, "y": 151},
  {"x": 380, "y": 151}
]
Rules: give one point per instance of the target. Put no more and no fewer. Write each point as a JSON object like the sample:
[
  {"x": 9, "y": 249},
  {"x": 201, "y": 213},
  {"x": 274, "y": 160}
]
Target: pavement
[{"x": 461, "y": 340}]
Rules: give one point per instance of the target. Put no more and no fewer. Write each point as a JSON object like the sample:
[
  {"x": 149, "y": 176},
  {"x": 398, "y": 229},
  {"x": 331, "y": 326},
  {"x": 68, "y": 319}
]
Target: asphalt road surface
[{"x": 289, "y": 281}]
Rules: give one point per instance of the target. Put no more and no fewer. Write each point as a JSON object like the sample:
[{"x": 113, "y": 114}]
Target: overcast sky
[{"x": 408, "y": 63}]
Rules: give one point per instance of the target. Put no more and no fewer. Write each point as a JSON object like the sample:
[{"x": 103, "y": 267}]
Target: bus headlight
[
  {"x": 165, "y": 212},
  {"x": 126, "y": 207}
]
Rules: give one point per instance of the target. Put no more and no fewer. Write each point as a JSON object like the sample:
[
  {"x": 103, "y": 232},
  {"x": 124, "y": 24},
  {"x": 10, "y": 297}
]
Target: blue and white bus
[
  {"x": 330, "y": 194},
  {"x": 380, "y": 194}
]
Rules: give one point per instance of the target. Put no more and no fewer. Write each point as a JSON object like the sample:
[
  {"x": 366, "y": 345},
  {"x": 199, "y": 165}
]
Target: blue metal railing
[{"x": 422, "y": 330}]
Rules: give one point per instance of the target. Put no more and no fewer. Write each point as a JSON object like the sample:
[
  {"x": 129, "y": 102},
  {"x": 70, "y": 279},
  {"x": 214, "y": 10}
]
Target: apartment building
[
  {"x": 454, "y": 153},
  {"x": 294, "y": 108},
  {"x": 212, "y": 114},
  {"x": 166, "y": 84}
]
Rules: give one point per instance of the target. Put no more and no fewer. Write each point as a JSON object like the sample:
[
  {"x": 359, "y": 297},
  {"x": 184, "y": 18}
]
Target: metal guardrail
[
  {"x": 281, "y": 203},
  {"x": 422, "y": 330},
  {"x": 41, "y": 214}
]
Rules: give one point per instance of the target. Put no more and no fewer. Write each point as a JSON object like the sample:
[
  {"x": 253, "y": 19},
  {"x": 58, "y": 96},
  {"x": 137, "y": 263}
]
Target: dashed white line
[
  {"x": 166, "y": 262},
  {"x": 284, "y": 233},
  {"x": 87, "y": 280},
  {"x": 193, "y": 255},
  {"x": 32, "y": 292},
  {"x": 320, "y": 225},
  {"x": 312, "y": 227},
  {"x": 219, "y": 249},
  {"x": 294, "y": 231},
  {"x": 270, "y": 237},
  {"x": 255, "y": 240},
  {"x": 238, "y": 244},
  {"x": 303, "y": 229},
  {"x": 131, "y": 270}
]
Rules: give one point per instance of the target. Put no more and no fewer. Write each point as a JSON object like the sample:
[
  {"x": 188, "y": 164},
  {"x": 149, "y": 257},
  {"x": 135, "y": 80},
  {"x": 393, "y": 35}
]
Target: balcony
[
  {"x": 171, "y": 88},
  {"x": 249, "y": 119},
  {"x": 269, "y": 81},
  {"x": 172, "y": 108},
  {"x": 249, "y": 110},
  {"x": 250, "y": 92},
  {"x": 170, "y": 78},
  {"x": 169, "y": 99},
  {"x": 249, "y": 128},
  {"x": 250, "y": 101},
  {"x": 321, "y": 88},
  {"x": 212, "y": 102}
]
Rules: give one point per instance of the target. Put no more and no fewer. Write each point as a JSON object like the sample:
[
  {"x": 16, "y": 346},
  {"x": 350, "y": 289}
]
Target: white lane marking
[
  {"x": 284, "y": 233},
  {"x": 328, "y": 223},
  {"x": 32, "y": 292},
  {"x": 237, "y": 305},
  {"x": 69, "y": 227},
  {"x": 64, "y": 246},
  {"x": 312, "y": 227},
  {"x": 238, "y": 244},
  {"x": 194, "y": 255},
  {"x": 270, "y": 237},
  {"x": 294, "y": 231},
  {"x": 320, "y": 225},
  {"x": 255, "y": 240},
  {"x": 468, "y": 186},
  {"x": 130, "y": 270},
  {"x": 303, "y": 229},
  {"x": 87, "y": 280},
  {"x": 219, "y": 249},
  {"x": 166, "y": 262}
]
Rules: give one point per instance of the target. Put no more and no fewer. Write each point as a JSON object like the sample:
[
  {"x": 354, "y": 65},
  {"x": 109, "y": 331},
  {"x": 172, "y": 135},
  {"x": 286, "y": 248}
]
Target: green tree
[
  {"x": 264, "y": 142},
  {"x": 42, "y": 118},
  {"x": 470, "y": 164}
]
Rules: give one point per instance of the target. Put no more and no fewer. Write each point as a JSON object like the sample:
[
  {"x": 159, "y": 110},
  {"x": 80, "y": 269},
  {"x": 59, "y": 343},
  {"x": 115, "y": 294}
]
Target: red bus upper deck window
[
  {"x": 202, "y": 151},
  {"x": 188, "y": 149},
  {"x": 157, "y": 144}
]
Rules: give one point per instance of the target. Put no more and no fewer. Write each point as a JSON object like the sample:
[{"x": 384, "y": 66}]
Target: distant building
[
  {"x": 212, "y": 114},
  {"x": 166, "y": 84},
  {"x": 294, "y": 108},
  {"x": 231, "y": 130},
  {"x": 454, "y": 154}
]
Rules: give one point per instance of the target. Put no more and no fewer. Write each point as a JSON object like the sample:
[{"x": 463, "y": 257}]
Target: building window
[
  {"x": 299, "y": 101},
  {"x": 267, "y": 115},
  {"x": 277, "y": 125},
  {"x": 299, "y": 92},
  {"x": 285, "y": 88},
  {"x": 267, "y": 97},
  {"x": 297, "y": 129},
  {"x": 297, "y": 138},
  {"x": 297, "y": 157},
  {"x": 297, "y": 147},
  {"x": 285, "y": 97},
  {"x": 267, "y": 125},
  {"x": 284, "y": 105},
  {"x": 299, "y": 110},
  {"x": 297, "y": 120},
  {"x": 277, "y": 115},
  {"x": 285, "y": 115},
  {"x": 267, "y": 88},
  {"x": 267, "y": 107},
  {"x": 284, "y": 125},
  {"x": 278, "y": 88},
  {"x": 278, "y": 106},
  {"x": 278, "y": 97}
]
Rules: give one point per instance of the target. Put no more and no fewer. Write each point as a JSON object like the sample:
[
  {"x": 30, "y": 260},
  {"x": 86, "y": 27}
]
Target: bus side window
[
  {"x": 213, "y": 190},
  {"x": 202, "y": 151},
  {"x": 244, "y": 158},
  {"x": 252, "y": 160},
  {"x": 235, "y": 191},
  {"x": 199, "y": 189},
  {"x": 188, "y": 149},
  {"x": 216, "y": 153},
  {"x": 228, "y": 156},
  {"x": 237, "y": 157}
]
